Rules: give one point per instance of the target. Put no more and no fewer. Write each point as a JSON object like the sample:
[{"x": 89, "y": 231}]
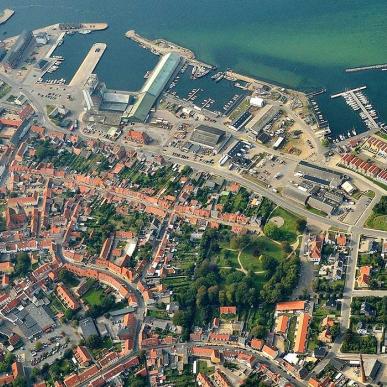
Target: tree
[
  {"x": 301, "y": 224},
  {"x": 258, "y": 331},
  {"x": 179, "y": 318},
  {"x": 138, "y": 382},
  {"x": 19, "y": 382},
  {"x": 44, "y": 151},
  {"x": 94, "y": 342},
  {"x": 38, "y": 346},
  {"x": 23, "y": 264},
  {"x": 286, "y": 247},
  {"x": 66, "y": 277}
]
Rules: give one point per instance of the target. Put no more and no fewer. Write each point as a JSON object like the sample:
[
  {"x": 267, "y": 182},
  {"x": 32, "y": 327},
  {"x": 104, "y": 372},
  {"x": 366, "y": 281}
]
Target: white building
[
  {"x": 257, "y": 102},
  {"x": 42, "y": 38}
]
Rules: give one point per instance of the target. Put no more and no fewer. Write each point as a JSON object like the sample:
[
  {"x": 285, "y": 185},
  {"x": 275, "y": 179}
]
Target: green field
[
  {"x": 94, "y": 296},
  {"x": 161, "y": 314},
  {"x": 240, "y": 109},
  {"x": 4, "y": 90},
  {"x": 290, "y": 223},
  {"x": 377, "y": 222},
  {"x": 227, "y": 257},
  {"x": 316, "y": 211},
  {"x": 264, "y": 246}
]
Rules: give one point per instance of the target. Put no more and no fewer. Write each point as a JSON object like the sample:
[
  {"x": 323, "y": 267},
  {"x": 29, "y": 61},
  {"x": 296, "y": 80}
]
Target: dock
[
  {"x": 55, "y": 45},
  {"x": 366, "y": 68},
  {"x": 162, "y": 47},
  {"x": 88, "y": 65},
  {"x": 5, "y": 15},
  {"x": 348, "y": 91}
]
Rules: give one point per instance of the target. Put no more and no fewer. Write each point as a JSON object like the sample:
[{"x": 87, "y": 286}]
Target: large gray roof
[
  {"x": 296, "y": 194},
  {"x": 154, "y": 86},
  {"x": 207, "y": 135}
]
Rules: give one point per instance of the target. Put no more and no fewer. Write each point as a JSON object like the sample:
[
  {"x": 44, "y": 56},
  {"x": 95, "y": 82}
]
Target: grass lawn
[
  {"x": 377, "y": 222},
  {"x": 186, "y": 379},
  {"x": 161, "y": 314},
  {"x": 290, "y": 222},
  {"x": 94, "y": 296},
  {"x": 316, "y": 211},
  {"x": 203, "y": 367},
  {"x": 292, "y": 331},
  {"x": 265, "y": 246},
  {"x": 382, "y": 135},
  {"x": 240, "y": 109},
  {"x": 178, "y": 284},
  {"x": 227, "y": 257},
  {"x": 4, "y": 90}
]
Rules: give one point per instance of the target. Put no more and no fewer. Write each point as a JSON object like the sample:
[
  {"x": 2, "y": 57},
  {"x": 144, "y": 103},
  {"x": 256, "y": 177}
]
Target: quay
[
  {"x": 5, "y": 15},
  {"x": 55, "y": 45},
  {"x": 365, "y": 68},
  {"x": 88, "y": 65},
  {"x": 162, "y": 47}
]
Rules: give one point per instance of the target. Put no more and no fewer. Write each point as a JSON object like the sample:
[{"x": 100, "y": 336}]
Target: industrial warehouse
[
  {"x": 208, "y": 136},
  {"x": 16, "y": 54},
  {"x": 154, "y": 86}
]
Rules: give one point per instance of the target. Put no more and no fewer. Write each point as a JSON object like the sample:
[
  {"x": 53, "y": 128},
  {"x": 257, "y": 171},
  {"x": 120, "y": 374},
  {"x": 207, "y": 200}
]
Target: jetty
[
  {"x": 348, "y": 91},
  {"x": 162, "y": 47},
  {"x": 365, "y": 68},
  {"x": 5, "y": 15},
  {"x": 88, "y": 65}
]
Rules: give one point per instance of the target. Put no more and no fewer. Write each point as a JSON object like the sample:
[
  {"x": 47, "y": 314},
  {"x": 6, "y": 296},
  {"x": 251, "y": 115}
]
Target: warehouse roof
[
  {"x": 154, "y": 86},
  {"x": 296, "y": 194},
  {"x": 207, "y": 135}
]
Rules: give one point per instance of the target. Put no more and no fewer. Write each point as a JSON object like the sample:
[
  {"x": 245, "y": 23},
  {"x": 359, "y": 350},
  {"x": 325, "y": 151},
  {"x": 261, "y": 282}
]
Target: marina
[
  {"x": 207, "y": 92},
  {"x": 88, "y": 65},
  {"x": 321, "y": 121},
  {"x": 358, "y": 102}
]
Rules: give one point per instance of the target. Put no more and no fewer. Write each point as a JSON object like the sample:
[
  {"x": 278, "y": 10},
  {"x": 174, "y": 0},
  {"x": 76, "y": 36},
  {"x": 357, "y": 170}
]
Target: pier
[
  {"x": 5, "y": 15},
  {"x": 317, "y": 92},
  {"x": 348, "y": 91},
  {"x": 88, "y": 65},
  {"x": 366, "y": 68}
]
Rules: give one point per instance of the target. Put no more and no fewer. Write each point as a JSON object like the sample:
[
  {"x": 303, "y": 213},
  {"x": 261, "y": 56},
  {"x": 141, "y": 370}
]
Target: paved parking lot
[{"x": 53, "y": 346}]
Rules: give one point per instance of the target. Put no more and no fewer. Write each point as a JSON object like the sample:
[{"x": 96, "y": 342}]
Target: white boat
[{"x": 84, "y": 32}]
